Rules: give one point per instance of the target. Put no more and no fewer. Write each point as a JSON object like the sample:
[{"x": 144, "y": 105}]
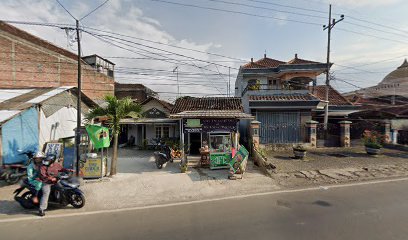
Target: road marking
[{"x": 327, "y": 187}]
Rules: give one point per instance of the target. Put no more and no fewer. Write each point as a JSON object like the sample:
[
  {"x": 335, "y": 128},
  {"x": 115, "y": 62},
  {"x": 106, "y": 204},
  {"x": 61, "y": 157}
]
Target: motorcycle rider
[
  {"x": 48, "y": 172},
  {"x": 33, "y": 173}
]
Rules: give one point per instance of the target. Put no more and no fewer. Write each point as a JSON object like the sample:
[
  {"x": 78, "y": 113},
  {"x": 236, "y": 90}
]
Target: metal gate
[{"x": 279, "y": 127}]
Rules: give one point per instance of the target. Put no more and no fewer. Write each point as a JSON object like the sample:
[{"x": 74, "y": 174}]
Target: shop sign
[
  {"x": 213, "y": 125},
  {"x": 193, "y": 123},
  {"x": 240, "y": 160},
  {"x": 219, "y": 160},
  {"x": 53, "y": 149},
  {"x": 192, "y": 130},
  {"x": 91, "y": 168}
]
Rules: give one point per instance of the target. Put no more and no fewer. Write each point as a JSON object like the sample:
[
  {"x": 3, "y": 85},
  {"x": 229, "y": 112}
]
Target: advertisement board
[
  {"x": 220, "y": 160},
  {"x": 239, "y": 162},
  {"x": 91, "y": 168}
]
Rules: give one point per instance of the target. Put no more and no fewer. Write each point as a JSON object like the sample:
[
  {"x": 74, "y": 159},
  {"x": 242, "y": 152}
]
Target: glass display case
[{"x": 220, "y": 150}]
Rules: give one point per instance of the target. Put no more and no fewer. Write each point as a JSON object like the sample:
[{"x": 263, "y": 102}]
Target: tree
[{"x": 116, "y": 110}]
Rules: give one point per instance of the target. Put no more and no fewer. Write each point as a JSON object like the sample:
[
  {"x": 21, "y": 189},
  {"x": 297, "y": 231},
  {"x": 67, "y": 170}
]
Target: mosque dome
[{"x": 398, "y": 76}]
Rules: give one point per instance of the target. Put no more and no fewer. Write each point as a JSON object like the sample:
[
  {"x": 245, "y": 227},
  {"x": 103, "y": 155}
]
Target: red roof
[
  {"x": 335, "y": 98},
  {"x": 165, "y": 104},
  {"x": 210, "y": 103},
  {"x": 266, "y": 62}
]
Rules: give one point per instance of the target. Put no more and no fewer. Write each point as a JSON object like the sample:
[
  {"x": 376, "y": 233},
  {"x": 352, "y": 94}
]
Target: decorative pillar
[
  {"x": 255, "y": 133},
  {"x": 311, "y": 135},
  {"x": 387, "y": 132},
  {"x": 345, "y": 133},
  {"x": 394, "y": 136}
]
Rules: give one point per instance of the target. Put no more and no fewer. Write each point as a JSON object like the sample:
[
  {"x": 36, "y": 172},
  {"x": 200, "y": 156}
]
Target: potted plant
[
  {"x": 372, "y": 142},
  {"x": 300, "y": 151}
]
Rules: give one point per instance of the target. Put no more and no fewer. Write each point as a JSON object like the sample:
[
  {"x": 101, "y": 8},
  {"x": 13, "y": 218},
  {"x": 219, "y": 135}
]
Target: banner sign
[
  {"x": 219, "y": 160},
  {"x": 98, "y": 135},
  {"x": 240, "y": 160}
]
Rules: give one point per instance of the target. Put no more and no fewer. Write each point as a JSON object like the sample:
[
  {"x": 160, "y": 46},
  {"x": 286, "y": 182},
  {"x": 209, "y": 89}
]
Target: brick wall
[{"x": 27, "y": 61}]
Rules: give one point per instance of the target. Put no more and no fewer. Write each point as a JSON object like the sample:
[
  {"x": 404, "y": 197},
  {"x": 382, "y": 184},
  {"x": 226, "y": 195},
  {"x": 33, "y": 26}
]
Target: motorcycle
[
  {"x": 12, "y": 173},
  {"x": 65, "y": 191},
  {"x": 163, "y": 156}
]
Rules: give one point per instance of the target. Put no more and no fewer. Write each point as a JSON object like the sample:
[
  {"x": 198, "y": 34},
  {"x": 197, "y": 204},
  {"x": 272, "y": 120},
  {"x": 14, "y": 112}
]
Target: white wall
[{"x": 59, "y": 125}]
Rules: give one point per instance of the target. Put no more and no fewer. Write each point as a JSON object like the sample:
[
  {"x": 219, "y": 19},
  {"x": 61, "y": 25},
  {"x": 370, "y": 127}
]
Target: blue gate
[{"x": 279, "y": 127}]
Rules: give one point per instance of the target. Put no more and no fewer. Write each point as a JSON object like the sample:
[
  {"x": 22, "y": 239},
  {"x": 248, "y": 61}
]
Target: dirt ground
[{"x": 336, "y": 165}]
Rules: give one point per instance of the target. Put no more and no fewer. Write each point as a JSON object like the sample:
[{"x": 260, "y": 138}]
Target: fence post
[
  {"x": 345, "y": 133},
  {"x": 394, "y": 136},
  {"x": 387, "y": 132},
  {"x": 255, "y": 133},
  {"x": 311, "y": 132}
]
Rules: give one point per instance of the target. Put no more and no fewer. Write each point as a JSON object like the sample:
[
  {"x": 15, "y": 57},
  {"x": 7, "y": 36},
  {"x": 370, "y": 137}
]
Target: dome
[{"x": 399, "y": 75}]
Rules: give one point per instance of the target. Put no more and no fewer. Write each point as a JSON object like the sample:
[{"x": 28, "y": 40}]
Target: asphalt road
[{"x": 373, "y": 211}]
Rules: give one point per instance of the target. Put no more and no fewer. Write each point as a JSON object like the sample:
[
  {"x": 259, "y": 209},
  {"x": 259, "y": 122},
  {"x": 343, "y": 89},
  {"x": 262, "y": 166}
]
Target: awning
[{"x": 148, "y": 121}]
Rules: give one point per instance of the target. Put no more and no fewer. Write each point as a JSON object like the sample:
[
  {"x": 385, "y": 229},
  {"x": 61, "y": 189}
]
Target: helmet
[
  {"x": 49, "y": 160},
  {"x": 39, "y": 154}
]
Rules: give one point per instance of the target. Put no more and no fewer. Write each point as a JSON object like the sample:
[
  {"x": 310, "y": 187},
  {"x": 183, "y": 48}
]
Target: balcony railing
[{"x": 263, "y": 89}]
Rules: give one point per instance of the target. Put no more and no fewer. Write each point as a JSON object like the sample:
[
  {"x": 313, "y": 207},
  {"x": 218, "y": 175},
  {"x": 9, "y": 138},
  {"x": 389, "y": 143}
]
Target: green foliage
[
  {"x": 373, "y": 139},
  {"x": 116, "y": 110},
  {"x": 255, "y": 86}
]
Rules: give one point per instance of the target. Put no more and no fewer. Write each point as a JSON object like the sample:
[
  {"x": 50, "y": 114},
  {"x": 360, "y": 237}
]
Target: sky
[{"x": 201, "y": 43}]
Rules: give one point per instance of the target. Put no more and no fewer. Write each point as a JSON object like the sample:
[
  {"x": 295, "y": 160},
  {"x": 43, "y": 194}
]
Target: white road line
[{"x": 327, "y": 187}]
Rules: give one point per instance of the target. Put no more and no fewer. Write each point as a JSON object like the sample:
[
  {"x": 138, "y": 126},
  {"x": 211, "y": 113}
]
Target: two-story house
[{"x": 277, "y": 94}]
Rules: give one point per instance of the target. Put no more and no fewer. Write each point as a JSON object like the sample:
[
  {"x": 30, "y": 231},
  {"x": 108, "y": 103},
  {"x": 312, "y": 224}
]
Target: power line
[
  {"x": 94, "y": 10},
  {"x": 288, "y": 6},
  {"x": 236, "y": 12},
  {"x": 66, "y": 10},
  {"x": 265, "y": 8}
]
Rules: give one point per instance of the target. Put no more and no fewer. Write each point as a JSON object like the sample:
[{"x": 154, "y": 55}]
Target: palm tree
[{"x": 116, "y": 110}]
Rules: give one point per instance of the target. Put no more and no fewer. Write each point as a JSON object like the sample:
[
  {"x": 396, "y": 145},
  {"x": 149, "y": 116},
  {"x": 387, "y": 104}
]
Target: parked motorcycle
[
  {"x": 65, "y": 191},
  {"x": 12, "y": 173},
  {"x": 163, "y": 156}
]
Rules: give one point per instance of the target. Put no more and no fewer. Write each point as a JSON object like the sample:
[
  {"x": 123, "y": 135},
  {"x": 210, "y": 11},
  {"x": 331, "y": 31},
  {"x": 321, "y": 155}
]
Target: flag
[{"x": 98, "y": 135}]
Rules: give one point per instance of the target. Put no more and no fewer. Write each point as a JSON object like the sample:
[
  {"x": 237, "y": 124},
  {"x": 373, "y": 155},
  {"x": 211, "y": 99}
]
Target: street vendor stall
[{"x": 209, "y": 127}]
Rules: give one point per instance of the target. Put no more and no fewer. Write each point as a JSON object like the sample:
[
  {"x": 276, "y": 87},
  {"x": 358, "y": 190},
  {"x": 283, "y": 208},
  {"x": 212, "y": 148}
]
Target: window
[
  {"x": 220, "y": 142},
  {"x": 158, "y": 132},
  {"x": 166, "y": 132}
]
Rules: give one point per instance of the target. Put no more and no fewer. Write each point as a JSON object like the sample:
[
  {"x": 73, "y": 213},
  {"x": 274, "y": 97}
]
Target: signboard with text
[
  {"x": 220, "y": 160},
  {"x": 91, "y": 168},
  {"x": 239, "y": 162}
]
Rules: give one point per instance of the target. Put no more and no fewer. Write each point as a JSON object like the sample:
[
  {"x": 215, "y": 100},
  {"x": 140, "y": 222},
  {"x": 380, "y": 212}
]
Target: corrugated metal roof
[
  {"x": 7, "y": 114},
  {"x": 49, "y": 94},
  {"x": 6, "y": 94}
]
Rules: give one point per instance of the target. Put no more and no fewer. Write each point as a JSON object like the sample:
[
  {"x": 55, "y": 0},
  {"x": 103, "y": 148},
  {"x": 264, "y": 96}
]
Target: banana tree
[{"x": 115, "y": 110}]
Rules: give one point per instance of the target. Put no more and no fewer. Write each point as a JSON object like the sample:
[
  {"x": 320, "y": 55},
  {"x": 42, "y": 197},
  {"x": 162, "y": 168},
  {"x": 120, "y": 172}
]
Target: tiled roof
[
  {"x": 301, "y": 61},
  {"x": 212, "y": 114},
  {"x": 335, "y": 98},
  {"x": 210, "y": 103},
  {"x": 165, "y": 104},
  {"x": 283, "y": 97},
  {"x": 266, "y": 62}
]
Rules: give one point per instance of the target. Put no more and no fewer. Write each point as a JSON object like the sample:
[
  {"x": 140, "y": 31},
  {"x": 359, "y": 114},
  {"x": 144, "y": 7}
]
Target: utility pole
[
  {"x": 229, "y": 81},
  {"x": 79, "y": 120},
  {"x": 329, "y": 27},
  {"x": 178, "y": 85}
]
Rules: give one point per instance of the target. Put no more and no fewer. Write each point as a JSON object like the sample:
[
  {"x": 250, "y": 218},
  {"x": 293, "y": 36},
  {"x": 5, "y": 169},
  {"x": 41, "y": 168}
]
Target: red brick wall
[{"x": 26, "y": 64}]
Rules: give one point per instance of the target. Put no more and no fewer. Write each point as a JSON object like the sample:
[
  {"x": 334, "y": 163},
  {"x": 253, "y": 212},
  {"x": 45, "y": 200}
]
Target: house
[
  {"x": 339, "y": 106},
  {"x": 277, "y": 94},
  {"x": 30, "y": 62},
  {"x": 137, "y": 92},
  {"x": 211, "y": 121},
  {"x": 31, "y": 117},
  {"x": 154, "y": 124}
]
